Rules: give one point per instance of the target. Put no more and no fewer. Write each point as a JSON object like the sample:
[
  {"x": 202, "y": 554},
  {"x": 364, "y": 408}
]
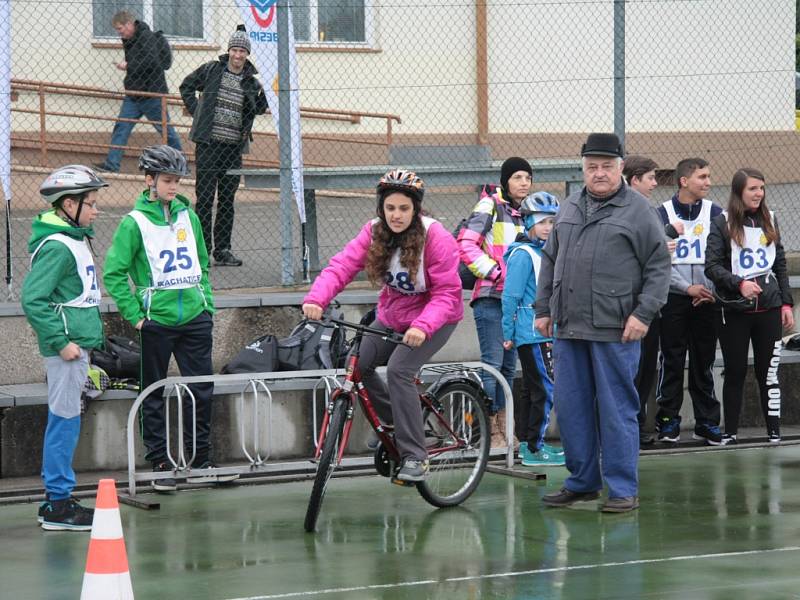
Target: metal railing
[
  {"x": 43, "y": 89},
  {"x": 253, "y": 382}
]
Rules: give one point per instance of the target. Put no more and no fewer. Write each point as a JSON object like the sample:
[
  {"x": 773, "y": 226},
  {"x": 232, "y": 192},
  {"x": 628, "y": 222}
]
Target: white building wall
[{"x": 709, "y": 65}]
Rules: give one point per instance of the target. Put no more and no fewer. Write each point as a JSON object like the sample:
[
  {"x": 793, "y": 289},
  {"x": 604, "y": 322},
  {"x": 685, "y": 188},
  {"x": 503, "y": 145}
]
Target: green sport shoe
[{"x": 542, "y": 458}]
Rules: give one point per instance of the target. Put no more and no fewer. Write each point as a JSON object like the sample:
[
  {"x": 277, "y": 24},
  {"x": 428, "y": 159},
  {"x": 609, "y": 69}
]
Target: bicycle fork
[{"x": 323, "y": 430}]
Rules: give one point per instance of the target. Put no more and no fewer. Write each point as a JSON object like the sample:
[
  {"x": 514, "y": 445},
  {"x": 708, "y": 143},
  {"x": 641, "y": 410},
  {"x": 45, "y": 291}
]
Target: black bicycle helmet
[
  {"x": 163, "y": 159},
  {"x": 70, "y": 180},
  {"x": 401, "y": 180}
]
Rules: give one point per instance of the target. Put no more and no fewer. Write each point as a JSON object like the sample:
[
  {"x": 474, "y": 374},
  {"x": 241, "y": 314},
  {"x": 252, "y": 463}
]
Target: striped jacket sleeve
[{"x": 472, "y": 236}]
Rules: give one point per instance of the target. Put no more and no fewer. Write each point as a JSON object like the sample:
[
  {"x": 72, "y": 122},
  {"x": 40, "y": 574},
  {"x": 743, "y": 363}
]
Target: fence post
[
  {"x": 285, "y": 144},
  {"x": 42, "y": 129},
  {"x": 312, "y": 236},
  {"x": 619, "y": 70},
  {"x": 163, "y": 119}
]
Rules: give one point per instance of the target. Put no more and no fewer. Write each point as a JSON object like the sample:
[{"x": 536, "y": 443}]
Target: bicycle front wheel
[
  {"x": 327, "y": 461},
  {"x": 458, "y": 439}
]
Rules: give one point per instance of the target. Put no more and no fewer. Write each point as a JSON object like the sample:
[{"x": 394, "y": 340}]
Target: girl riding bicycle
[{"x": 415, "y": 260}]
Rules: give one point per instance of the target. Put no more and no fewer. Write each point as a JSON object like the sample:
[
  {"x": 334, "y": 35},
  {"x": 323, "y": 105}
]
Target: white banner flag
[
  {"x": 260, "y": 19},
  {"x": 5, "y": 97}
]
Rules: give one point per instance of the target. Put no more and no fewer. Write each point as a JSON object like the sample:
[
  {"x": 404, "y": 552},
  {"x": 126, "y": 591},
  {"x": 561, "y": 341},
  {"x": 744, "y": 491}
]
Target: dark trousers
[
  {"x": 764, "y": 330},
  {"x": 693, "y": 329},
  {"x": 397, "y": 400},
  {"x": 213, "y": 161},
  {"x": 536, "y": 403},
  {"x": 191, "y": 345},
  {"x": 646, "y": 375}
]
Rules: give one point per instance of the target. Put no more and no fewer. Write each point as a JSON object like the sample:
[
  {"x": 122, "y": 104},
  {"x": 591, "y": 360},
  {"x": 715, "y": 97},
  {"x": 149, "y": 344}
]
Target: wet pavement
[{"x": 716, "y": 524}]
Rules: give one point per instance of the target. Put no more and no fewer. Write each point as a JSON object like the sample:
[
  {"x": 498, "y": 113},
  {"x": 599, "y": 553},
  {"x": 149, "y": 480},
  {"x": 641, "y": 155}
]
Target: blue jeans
[
  {"x": 135, "y": 108},
  {"x": 597, "y": 404},
  {"x": 488, "y": 313}
]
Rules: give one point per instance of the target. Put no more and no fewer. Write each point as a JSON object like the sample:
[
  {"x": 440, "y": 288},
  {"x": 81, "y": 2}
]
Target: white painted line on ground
[{"x": 644, "y": 561}]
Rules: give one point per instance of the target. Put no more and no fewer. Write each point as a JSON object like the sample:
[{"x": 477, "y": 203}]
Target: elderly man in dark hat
[
  {"x": 222, "y": 121},
  {"x": 604, "y": 276}
]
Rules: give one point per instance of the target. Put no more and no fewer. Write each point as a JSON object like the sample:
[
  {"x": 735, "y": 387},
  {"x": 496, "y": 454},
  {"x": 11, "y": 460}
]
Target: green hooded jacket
[
  {"x": 54, "y": 279},
  {"x": 127, "y": 258}
]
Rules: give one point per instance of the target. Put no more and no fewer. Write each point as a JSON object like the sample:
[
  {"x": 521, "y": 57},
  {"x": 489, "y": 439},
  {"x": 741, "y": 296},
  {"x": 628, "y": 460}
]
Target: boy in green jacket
[
  {"x": 61, "y": 298},
  {"x": 159, "y": 246}
]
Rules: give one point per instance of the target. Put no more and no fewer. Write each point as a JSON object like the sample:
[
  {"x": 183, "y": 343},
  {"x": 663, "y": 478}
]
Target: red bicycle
[{"x": 456, "y": 428}]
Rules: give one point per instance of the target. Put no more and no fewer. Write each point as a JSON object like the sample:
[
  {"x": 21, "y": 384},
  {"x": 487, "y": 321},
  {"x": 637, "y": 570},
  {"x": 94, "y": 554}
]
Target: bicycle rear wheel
[
  {"x": 327, "y": 460},
  {"x": 458, "y": 440}
]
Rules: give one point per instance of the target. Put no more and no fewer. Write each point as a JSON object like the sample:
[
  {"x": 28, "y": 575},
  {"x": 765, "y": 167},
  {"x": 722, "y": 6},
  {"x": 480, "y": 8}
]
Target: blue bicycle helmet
[{"x": 537, "y": 207}]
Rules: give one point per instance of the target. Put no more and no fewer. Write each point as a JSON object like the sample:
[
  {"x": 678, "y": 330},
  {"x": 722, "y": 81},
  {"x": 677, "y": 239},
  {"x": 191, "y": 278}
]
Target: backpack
[
  {"x": 468, "y": 278},
  {"x": 259, "y": 356},
  {"x": 313, "y": 346},
  {"x": 163, "y": 50},
  {"x": 119, "y": 359}
]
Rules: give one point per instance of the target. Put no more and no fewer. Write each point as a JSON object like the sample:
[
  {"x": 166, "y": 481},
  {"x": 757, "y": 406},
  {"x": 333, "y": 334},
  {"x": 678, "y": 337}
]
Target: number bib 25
[{"x": 171, "y": 251}]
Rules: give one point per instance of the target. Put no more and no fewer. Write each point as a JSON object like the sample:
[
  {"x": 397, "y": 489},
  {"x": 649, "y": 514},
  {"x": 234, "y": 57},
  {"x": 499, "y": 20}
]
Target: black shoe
[
  {"x": 669, "y": 430},
  {"x": 620, "y": 505},
  {"x": 645, "y": 439},
  {"x": 565, "y": 497},
  {"x": 710, "y": 433},
  {"x": 66, "y": 515},
  {"x": 212, "y": 478},
  {"x": 103, "y": 168},
  {"x": 226, "y": 258},
  {"x": 729, "y": 439},
  {"x": 167, "y": 484}
]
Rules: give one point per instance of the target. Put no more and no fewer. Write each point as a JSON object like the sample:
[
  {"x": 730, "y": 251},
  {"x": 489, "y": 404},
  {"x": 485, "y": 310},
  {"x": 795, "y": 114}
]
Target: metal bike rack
[
  {"x": 181, "y": 464},
  {"x": 254, "y": 382},
  {"x": 258, "y": 460}
]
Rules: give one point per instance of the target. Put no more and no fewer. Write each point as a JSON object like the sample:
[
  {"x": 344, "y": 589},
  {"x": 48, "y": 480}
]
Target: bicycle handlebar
[{"x": 388, "y": 335}]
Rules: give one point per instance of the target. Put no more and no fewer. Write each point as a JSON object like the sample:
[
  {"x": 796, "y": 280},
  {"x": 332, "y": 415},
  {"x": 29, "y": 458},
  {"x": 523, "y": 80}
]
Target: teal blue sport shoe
[
  {"x": 524, "y": 452},
  {"x": 553, "y": 449},
  {"x": 543, "y": 458}
]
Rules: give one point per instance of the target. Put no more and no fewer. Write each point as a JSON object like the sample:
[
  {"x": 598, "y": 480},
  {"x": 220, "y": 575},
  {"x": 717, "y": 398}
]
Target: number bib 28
[
  {"x": 398, "y": 276},
  {"x": 171, "y": 251},
  {"x": 691, "y": 246}
]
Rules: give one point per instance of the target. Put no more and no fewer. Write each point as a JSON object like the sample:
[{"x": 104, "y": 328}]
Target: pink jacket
[{"x": 441, "y": 304}]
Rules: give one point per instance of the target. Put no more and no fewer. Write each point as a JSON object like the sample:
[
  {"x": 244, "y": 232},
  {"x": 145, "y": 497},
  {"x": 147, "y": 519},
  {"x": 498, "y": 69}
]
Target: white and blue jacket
[{"x": 519, "y": 293}]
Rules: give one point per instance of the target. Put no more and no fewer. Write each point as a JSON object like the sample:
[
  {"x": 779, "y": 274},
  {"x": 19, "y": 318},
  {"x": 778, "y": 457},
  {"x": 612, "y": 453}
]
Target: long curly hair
[
  {"x": 386, "y": 242},
  {"x": 737, "y": 209}
]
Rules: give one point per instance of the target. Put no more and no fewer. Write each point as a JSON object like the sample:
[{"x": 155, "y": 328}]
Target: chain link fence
[{"x": 458, "y": 85}]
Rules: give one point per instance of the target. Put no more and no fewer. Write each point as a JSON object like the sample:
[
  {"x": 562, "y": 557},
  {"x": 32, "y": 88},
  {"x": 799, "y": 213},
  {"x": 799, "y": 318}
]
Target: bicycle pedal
[{"x": 402, "y": 483}]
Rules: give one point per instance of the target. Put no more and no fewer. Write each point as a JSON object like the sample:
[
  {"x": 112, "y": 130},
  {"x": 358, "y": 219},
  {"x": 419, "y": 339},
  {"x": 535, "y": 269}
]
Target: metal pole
[
  {"x": 285, "y": 144},
  {"x": 312, "y": 235},
  {"x": 619, "y": 70}
]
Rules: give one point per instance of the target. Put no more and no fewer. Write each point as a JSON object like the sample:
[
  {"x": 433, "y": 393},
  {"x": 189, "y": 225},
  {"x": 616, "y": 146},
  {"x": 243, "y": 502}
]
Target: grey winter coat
[{"x": 596, "y": 274}]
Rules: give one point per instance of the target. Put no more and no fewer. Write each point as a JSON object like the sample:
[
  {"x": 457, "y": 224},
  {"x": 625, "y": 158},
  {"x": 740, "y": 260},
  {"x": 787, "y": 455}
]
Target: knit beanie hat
[
  {"x": 511, "y": 166},
  {"x": 239, "y": 39}
]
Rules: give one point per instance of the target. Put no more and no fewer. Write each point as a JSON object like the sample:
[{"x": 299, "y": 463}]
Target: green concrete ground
[{"x": 712, "y": 525}]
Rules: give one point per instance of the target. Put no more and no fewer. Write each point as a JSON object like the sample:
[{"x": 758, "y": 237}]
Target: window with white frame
[
  {"x": 332, "y": 21},
  {"x": 181, "y": 20}
]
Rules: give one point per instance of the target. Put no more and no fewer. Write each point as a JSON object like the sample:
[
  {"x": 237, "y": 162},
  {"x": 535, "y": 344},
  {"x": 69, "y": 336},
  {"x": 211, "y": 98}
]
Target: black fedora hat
[{"x": 602, "y": 144}]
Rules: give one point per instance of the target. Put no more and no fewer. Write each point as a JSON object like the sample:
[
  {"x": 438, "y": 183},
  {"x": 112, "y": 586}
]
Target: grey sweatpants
[{"x": 400, "y": 403}]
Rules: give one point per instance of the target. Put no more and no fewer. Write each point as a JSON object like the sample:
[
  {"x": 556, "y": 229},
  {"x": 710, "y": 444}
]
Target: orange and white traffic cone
[{"x": 107, "y": 576}]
